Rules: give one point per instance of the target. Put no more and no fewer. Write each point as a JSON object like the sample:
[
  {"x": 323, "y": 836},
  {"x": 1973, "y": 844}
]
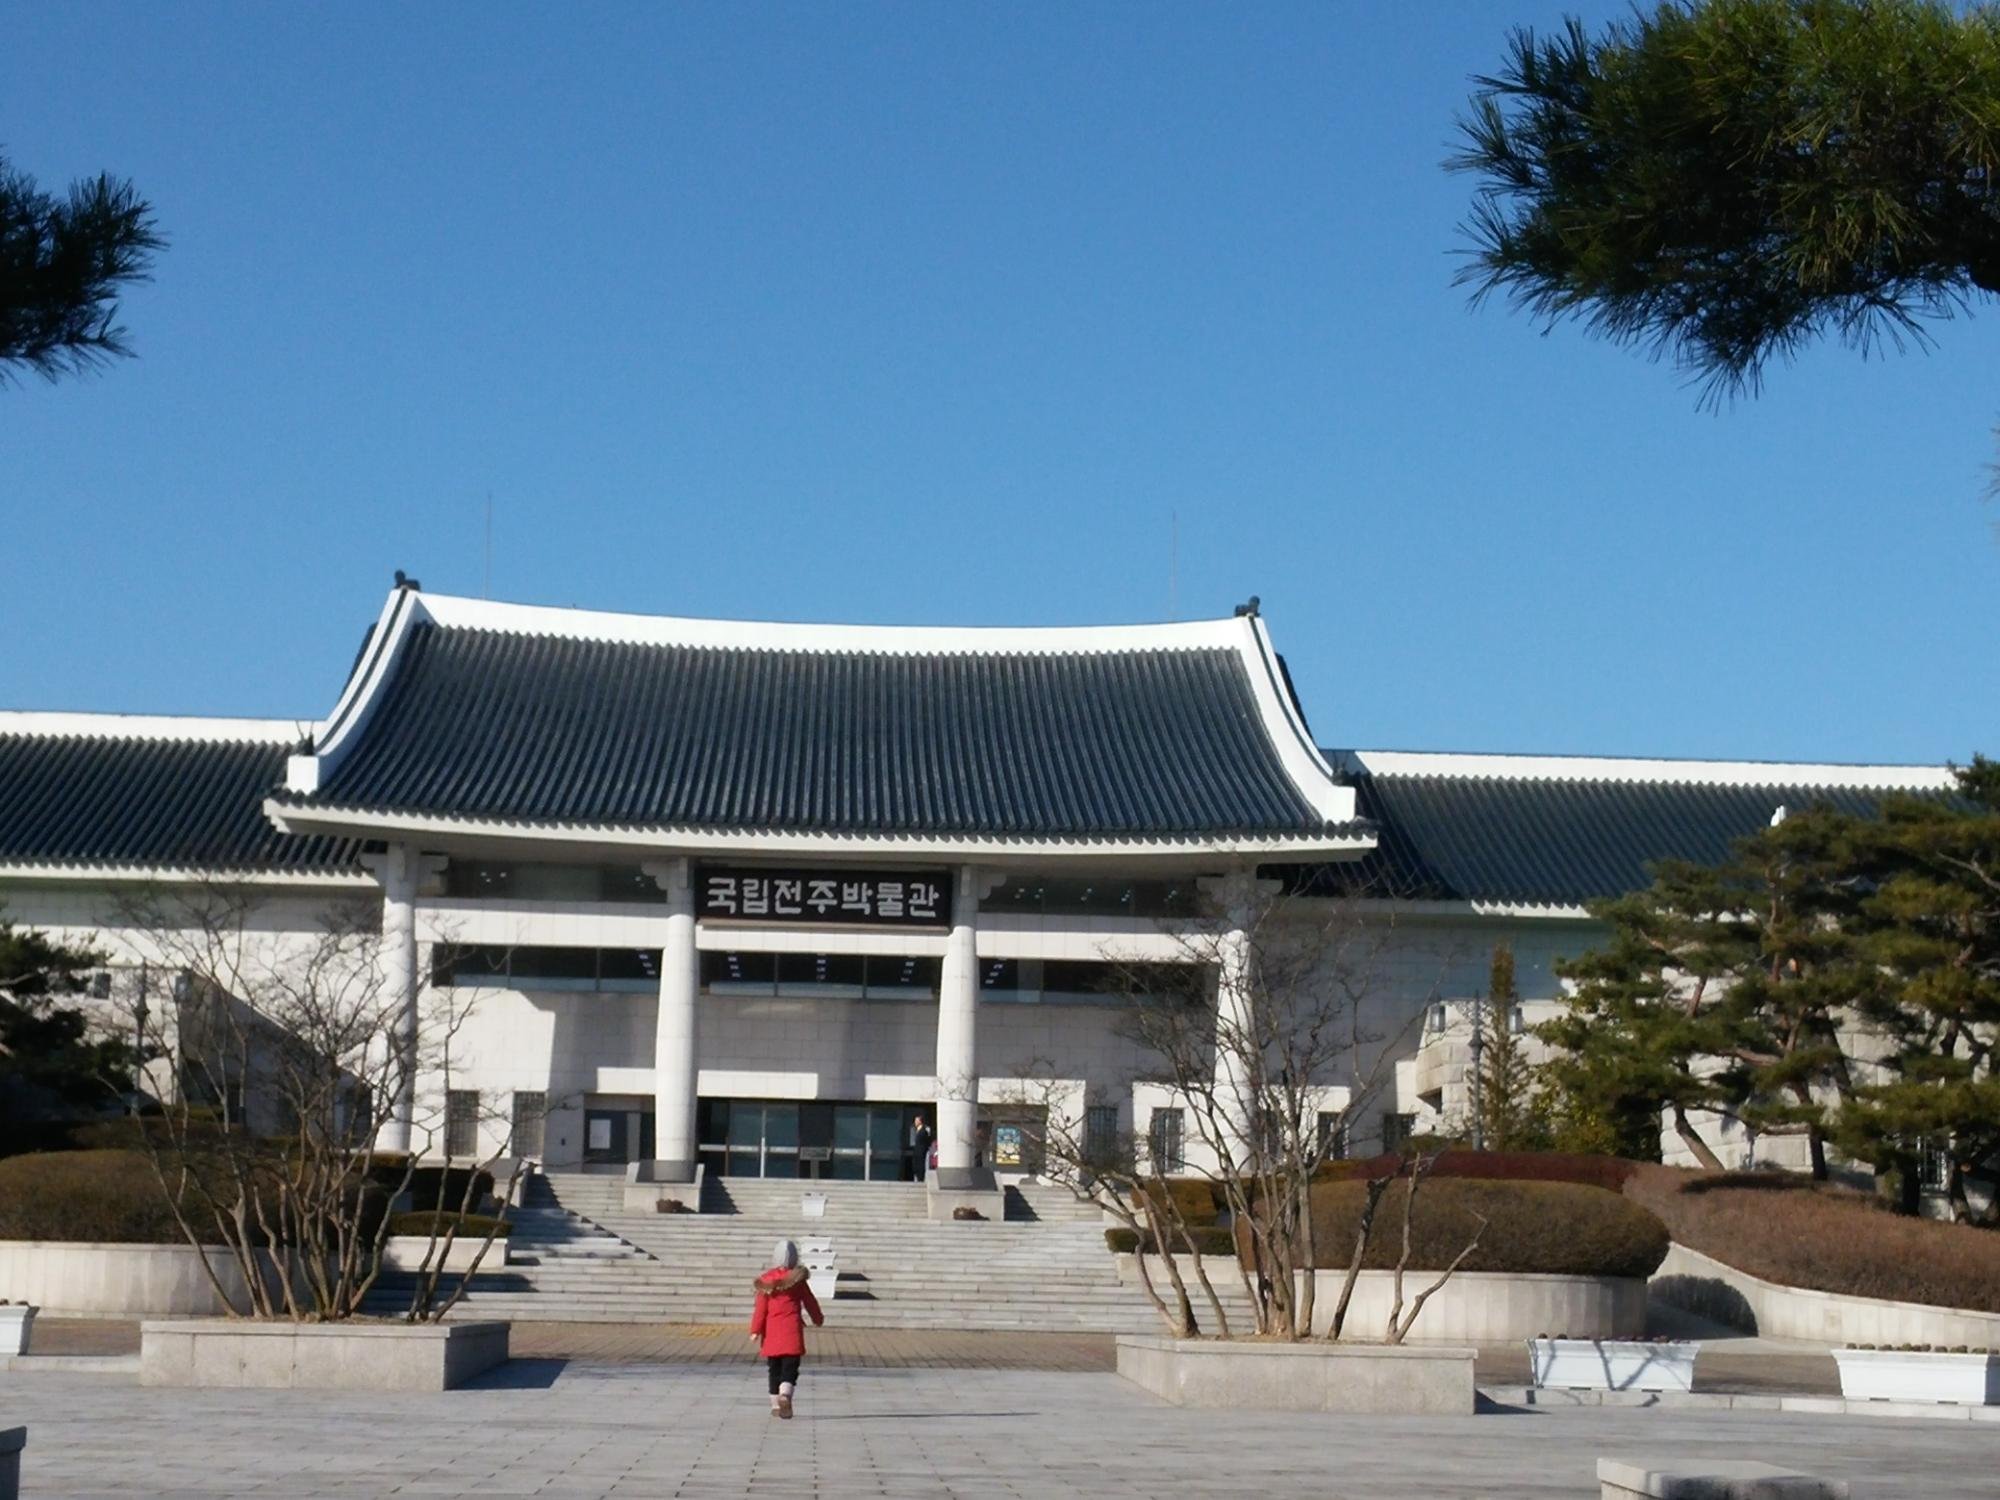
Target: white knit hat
[{"x": 785, "y": 1256}]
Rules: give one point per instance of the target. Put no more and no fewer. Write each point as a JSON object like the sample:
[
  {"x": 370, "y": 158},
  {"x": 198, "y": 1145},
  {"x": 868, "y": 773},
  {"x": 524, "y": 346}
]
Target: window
[
  {"x": 1094, "y": 898},
  {"x": 1163, "y": 1140},
  {"x": 1100, "y": 1133},
  {"x": 499, "y": 880},
  {"x": 832, "y": 975},
  {"x": 530, "y": 1111},
  {"x": 626, "y": 969},
  {"x": 1934, "y": 1164},
  {"x": 461, "y": 1122},
  {"x": 1397, "y": 1130},
  {"x": 1332, "y": 1135}
]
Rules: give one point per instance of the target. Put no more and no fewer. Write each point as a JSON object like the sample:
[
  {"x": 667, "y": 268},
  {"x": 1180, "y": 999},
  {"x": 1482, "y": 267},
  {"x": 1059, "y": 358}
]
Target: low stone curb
[
  {"x": 1518, "y": 1395},
  {"x": 73, "y": 1364}
]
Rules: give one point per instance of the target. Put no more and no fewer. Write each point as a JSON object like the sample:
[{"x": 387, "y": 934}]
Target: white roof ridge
[
  {"x": 1664, "y": 769},
  {"x": 66, "y": 724},
  {"x": 455, "y": 611}
]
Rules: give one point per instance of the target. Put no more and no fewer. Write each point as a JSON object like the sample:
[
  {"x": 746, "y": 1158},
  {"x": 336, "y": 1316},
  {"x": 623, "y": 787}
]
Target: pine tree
[
  {"x": 1644, "y": 1010},
  {"x": 1926, "y": 979},
  {"x": 50, "y": 1063},
  {"x": 1729, "y": 180},
  {"x": 62, "y": 265},
  {"x": 1508, "y": 1115}
]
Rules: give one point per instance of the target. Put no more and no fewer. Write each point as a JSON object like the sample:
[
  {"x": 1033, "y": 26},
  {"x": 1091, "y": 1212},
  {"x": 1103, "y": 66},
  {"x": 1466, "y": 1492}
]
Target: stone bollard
[
  {"x": 1710, "y": 1479},
  {"x": 12, "y": 1441}
]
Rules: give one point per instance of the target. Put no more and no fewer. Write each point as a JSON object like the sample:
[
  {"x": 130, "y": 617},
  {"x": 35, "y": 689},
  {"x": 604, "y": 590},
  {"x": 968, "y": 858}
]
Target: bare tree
[
  {"x": 277, "y": 1058},
  {"x": 1273, "y": 1025}
]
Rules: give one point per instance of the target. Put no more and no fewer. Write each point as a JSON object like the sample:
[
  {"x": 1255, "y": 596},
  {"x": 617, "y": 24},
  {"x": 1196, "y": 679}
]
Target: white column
[
  {"x": 958, "y": 1037},
  {"x": 1237, "y": 897},
  {"x": 399, "y": 870},
  {"x": 673, "y": 1041}
]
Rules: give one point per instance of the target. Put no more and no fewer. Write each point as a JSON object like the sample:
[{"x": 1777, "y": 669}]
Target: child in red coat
[{"x": 783, "y": 1294}]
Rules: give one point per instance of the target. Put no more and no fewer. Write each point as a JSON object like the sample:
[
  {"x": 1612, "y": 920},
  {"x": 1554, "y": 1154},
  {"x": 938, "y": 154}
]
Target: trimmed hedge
[
  {"x": 109, "y": 1197},
  {"x": 469, "y": 1226},
  {"x": 1784, "y": 1227},
  {"x": 1607, "y": 1172},
  {"x": 1195, "y": 1197},
  {"x": 1208, "y": 1240},
  {"x": 434, "y": 1189},
  {"x": 1545, "y": 1228}
]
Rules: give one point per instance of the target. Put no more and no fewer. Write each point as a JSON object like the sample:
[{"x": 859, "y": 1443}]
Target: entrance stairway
[{"x": 578, "y": 1255}]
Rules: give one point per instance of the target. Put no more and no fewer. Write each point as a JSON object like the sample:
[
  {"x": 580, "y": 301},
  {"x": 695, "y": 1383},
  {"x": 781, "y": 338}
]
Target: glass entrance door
[{"x": 818, "y": 1139}]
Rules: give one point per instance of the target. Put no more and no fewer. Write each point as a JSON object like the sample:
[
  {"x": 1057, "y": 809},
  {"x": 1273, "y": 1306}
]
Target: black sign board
[{"x": 764, "y": 893}]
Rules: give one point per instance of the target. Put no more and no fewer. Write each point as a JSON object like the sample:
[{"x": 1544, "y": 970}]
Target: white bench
[{"x": 1710, "y": 1479}]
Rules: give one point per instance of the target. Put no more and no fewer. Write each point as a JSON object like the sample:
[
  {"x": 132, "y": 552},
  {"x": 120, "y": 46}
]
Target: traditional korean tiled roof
[
  {"x": 107, "y": 791},
  {"x": 557, "y": 718},
  {"x": 1559, "y": 831}
]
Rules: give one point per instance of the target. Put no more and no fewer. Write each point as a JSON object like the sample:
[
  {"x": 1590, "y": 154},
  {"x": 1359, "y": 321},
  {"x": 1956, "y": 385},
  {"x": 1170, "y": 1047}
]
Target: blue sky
[{"x": 925, "y": 313}]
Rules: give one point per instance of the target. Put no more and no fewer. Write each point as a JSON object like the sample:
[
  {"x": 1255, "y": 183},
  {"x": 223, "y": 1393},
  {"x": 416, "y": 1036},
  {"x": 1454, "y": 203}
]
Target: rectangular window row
[
  {"x": 1054, "y": 897},
  {"x": 501, "y": 880},
  {"x": 635, "y": 970}
]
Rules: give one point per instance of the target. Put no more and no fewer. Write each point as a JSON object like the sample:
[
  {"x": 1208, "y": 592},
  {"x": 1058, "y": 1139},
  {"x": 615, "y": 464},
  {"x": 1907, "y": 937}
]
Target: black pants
[{"x": 783, "y": 1367}]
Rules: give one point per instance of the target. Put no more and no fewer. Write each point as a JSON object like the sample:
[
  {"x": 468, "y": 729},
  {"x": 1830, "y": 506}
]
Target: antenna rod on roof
[
  {"x": 1174, "y": 565},
  {"x": 486, "y": 578}
]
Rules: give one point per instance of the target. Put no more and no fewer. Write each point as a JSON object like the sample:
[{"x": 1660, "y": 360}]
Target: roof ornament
[
  {"x": 404, "y": 581},
  {"x": 1248, "y": 610}
]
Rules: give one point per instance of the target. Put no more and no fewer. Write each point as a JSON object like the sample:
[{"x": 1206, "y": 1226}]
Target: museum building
[{"x": 756, "y": 896}]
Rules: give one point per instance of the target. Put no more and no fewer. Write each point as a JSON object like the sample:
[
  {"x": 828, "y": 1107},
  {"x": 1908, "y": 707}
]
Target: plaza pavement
[
  {"x": 580, "y": 1429},
  {"x": 1731, "y": 1363}
]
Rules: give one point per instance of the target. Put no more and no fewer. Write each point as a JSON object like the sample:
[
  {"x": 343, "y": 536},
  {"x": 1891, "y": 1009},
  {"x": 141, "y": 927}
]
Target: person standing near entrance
[
  {"x": 784, "y": 1301},
  {"x": 921, "y": 1134}
]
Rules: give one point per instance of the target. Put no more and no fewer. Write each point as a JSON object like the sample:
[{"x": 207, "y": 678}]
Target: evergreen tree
[
  {"x": 1927, "y": 981},
  {"x": 50, "y": 1064},
  {"x": 62, "y": 264},
  {"x": 1507, "y": 1112},
  {"x": 1644, "y": 1010},
  {"x": 1729, "y": 180}
]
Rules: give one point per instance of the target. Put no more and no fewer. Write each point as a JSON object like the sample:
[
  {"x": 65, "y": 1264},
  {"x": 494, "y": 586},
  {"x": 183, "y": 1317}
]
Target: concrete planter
[
  {"x": 1701, "y": 1284},
  {"x": 1373, "y": 1379},
  {"x": 1474, "y": 1307},
  {"x": 111, "y": 1280},
  {"x": 1612, "y": 1365},
  {"x": 319, "y": 1356},
  {"x": 1913, "y": 1375},
  {"x": 17, "y": 1322},
  {"x": 417, "y": 1252}
]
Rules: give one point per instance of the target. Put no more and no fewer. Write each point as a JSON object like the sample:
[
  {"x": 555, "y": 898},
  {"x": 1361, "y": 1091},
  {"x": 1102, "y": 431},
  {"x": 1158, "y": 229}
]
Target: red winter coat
[{"x": 780, "y": 1297}]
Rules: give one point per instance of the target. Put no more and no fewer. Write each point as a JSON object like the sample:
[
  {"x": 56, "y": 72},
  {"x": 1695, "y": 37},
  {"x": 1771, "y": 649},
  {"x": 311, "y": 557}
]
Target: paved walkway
[
  {"x": 1736, "y": 1365},
  {"x": 581, "y": 1431},
  {"x": 660, "y": 1343}
]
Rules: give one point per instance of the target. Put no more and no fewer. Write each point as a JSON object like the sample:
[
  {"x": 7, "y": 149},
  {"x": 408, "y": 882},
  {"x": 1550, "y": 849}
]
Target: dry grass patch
[{"x": 1788, "y": 1229}]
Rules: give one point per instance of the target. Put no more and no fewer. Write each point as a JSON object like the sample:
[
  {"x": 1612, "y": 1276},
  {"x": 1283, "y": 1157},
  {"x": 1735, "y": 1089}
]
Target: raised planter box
[
  {"x": 1913, "y": 1375},
  {"x": 17, "y": 1324},
  {"x": 1612, "y": 1365},
  {"x": 1372, "y": 1379},
  {"x": 1710, "y": 1479},
  {"x": 112, "y": 1280},
  {"x": 1703, "y": 1285},
  {"x": 1474, "y": 1307},
  {"x": 319, "y": 1356},
  {"x": 415, "y": 1252}
]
